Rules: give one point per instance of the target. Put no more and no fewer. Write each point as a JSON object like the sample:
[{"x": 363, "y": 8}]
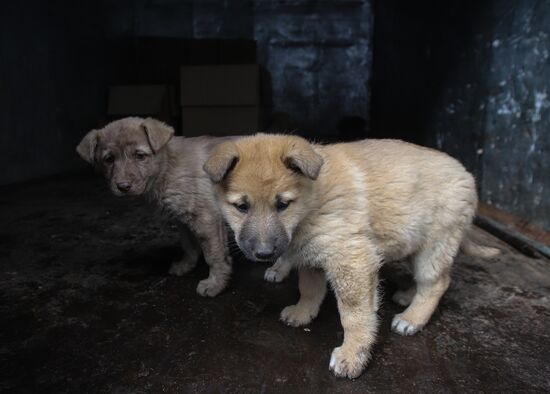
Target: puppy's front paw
[
  {"x": 210, "y": 287},
  {"x": 347, "y": 364},
  {"x": 297, "y": 315},
  {"x": 404, "y": 327},
  {"x": 182, "y": 267},
  {"x": 273, "y": 275}
]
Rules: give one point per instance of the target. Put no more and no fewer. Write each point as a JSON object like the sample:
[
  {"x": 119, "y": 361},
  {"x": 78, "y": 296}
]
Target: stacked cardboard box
[{"x": 220, "y": 99}]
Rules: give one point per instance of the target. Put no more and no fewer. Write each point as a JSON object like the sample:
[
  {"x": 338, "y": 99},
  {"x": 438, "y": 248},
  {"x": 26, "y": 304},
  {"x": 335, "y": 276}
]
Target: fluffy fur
[
  {"x": 140, "y": 157},
  {"x": 337, "y": 212}
]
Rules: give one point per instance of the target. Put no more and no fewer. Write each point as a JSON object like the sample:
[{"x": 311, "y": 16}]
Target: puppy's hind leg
[
  {"x": 404, "y": 297},
  {"x": 278, "y": 271},
  {"x": 191, "y": 254},
  {"x": 432, "y": 268}
]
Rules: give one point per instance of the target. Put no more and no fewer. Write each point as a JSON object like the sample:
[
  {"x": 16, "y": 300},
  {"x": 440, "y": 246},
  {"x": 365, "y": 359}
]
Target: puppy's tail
[{"x": 472, "y": 248}]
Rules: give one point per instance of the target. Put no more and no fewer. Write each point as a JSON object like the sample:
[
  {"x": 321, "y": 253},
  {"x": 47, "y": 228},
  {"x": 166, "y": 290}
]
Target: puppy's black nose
[
  {"x": 264, "y": 252},
  {"x": 123, "y": 186}
]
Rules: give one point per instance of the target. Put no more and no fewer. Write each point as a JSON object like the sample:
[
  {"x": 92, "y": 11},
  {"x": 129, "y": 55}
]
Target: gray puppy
[{"x": 141, "y": 157}]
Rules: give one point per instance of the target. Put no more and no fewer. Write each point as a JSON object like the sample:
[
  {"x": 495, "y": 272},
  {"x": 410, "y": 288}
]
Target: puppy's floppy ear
[
  {"x": 222, "y": 160},
  {"x": 158, "y": 133},
  {"x": 86, "y": 148},
  {"x": 301, "y": 157}
]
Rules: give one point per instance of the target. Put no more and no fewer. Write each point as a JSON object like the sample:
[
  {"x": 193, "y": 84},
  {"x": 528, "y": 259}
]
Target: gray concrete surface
[{"x": 86, "y": 307}]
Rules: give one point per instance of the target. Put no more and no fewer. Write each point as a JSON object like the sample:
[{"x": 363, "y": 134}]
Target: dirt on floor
[{"x": 87, "y": 306}]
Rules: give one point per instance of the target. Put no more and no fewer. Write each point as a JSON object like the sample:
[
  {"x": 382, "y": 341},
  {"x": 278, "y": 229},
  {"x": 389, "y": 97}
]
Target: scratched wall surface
[
  {"x": 319, "y": 57},
  {"x": 516, "y": 160},
  {"x": 500, "y": 100},
  {"x": 474, "y": 81}
]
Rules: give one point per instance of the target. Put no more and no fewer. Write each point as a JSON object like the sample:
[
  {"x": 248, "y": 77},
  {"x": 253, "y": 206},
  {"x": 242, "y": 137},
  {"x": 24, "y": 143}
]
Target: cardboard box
[
  {"x": 141, "y": 100},
  {"x": 220, "y": 120},
  {"x": 224, "y": 85}
]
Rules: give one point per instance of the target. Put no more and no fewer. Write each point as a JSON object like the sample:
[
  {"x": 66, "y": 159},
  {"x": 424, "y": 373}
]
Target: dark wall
[
  {"x": 59, "y": 57},
  {"x": 471, "y": 78},
  {"x": 317, "y": 53},
  {"x": 53, "y": 75},
  {"x": 319, "y": 57}
]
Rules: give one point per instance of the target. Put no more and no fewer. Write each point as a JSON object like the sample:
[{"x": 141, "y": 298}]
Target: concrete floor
[{"x": 86, "y": 306}]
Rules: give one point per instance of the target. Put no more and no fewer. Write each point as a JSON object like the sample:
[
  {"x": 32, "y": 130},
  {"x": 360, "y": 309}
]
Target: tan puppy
[
  {"x": 337, "y": 212},
  {"x": 141, "y": 157}
]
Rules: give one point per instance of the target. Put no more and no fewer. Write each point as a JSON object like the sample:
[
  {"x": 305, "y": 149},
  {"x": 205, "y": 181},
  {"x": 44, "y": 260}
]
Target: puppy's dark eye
[
  {"x": 109, "y": 159},
  {"x": 242, "y": 207},
  {"x": 282, "y": 205},
  {"x": 140, "y": 156}
]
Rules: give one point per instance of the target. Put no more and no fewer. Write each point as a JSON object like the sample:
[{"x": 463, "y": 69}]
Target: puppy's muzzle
[
  {"x": 263, "y": 239},
  {"x": 262, "y": 250}
]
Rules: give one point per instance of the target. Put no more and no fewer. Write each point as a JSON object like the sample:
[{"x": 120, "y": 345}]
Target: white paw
[
  {"x": 210, "y": 287},
  {"x": 403, "y": 327},
  {"x": 182, "y": 267},
  {"x": 273, "y": 275},
  {"x": 347, "y": 364},
  {"x": 297, "y": 316}
]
